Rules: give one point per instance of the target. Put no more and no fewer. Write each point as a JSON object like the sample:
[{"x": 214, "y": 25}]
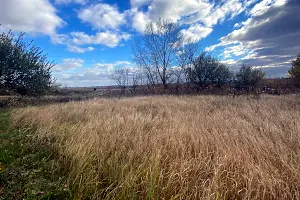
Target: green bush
[
  {"x": 248, "y": 78},
  {"x": 295, "y": 71},
  {"x": 24, "y": 67},
  {"x": 207, "y": 70}
]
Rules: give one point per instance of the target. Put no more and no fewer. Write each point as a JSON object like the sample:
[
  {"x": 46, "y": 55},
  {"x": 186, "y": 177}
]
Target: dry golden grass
[{"x": 166, "y": 147}]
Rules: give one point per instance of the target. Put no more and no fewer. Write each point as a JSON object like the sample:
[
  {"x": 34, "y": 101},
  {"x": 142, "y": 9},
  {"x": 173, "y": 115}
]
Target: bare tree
[
  {"x": 156, "y": 52},
  {"x": 121, "y": 77},
  {"x": 187, "y": 55},
  {"x": 136, "y": 80}
]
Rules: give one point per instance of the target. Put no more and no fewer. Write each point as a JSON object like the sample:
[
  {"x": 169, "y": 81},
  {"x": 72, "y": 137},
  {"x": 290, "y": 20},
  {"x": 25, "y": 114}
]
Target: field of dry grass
[{"x": 166, "y": 147}]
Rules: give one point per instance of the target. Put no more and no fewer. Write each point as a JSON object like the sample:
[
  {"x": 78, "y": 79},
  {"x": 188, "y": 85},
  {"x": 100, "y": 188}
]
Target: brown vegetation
[{"x": 166, "y": 147}]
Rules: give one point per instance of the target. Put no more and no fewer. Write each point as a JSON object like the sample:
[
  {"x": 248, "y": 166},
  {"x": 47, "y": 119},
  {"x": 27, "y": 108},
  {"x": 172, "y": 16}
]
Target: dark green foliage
[
  {"x": 23, "y": 66},
  {"x": 295, "y": 71},
  {"x": 223, "y": 75},
  {"x": 248, "y": 78},
  {"x": 207, "y": 70}
]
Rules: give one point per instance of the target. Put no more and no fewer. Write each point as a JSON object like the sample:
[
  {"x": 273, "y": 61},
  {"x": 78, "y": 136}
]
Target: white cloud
[
  {"x": 263, "y": 6},
  {"x": 85, "y": 80},
  {"x": 197, "y": 11},
  {"x": 95, "y": 75},
  {"x": 117, "y": 63},
  {"x": 250, "y": 2},
  {"x": 139, "y": 20},
  {"x": 214, "y": 14},
  {"x": 107, "y": 38},
  {"x": 110, "y": 66},
  {"x": 59, "y": 38},
  {"x": 269, "y": 38},
  {"x": 138, "y": 3},
  {"x": 102, "y": 16},
  {"x": 175, "y": 10},
  {"x": 221, "y": 44},
  {"x": 68, "y": 64},
  {"x": 237, "y": 25},
  {"x": 80, "y": 38},
  {"x": 31, "y": 16},
  {"x": 232, "y": 63},
  {"x": 82, "y": 2},
  {"x": 75, "y": 41},
  {"x": 77, "y": 49},
  {"x": 237, "y": 50},
  {"x": 195, "y": 33},
  {"x": 193, "y": 12}
]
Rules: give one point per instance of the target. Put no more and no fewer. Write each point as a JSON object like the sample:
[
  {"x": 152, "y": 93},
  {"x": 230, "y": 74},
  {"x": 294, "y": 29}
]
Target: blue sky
[{"x": 89, "y": 38}]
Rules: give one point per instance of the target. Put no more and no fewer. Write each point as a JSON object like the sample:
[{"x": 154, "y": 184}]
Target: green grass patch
[{"x": 28, "y": 168}]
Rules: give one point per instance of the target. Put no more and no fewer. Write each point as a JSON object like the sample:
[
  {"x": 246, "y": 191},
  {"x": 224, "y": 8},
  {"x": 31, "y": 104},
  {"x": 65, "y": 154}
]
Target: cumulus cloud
[
  {"x": 82, "y": 2},
  {"x": 138, "y": 3},
  {"x": 195, "y": 33},
  {"x": 173, "y": 10},
  {"x": 217, "y": 13},
  {"x": 76, "y": 41},
  {"x": 265, "y": 5},
  {"x": 107, "y": 38},
  {"x": 31, "y": 16},
  {"x": 229, "y": 62},
  {"x": 109, "y": 67},
  {"x": 271, "y": 35},
  {"x": 77, "y": 49},
  {"x": 112, "y": 65},
  {"x": 139, "y": 20},
  {"x": 237, "y": 25},
  {"x": 196, "y": 11},
  {"x": 68, "y": 64},
  {"x": 94, "y": 75},
  {"x": 59, "y": 38},
  {"x": 102, "y": 16},
  {"x": 236, "y": 50},
  {"x": 201, "y": 15}
]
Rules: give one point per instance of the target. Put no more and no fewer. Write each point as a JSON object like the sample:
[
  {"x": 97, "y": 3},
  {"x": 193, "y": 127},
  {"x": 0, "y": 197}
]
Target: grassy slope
[{"x": 27, "y": 167}]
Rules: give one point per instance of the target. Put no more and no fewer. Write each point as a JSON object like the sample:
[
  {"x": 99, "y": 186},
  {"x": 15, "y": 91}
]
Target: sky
[{"x": 87, "y": 39}]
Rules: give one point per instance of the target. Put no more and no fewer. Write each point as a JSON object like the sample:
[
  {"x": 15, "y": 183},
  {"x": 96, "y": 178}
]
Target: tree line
[{"x": 163, "y": 56}]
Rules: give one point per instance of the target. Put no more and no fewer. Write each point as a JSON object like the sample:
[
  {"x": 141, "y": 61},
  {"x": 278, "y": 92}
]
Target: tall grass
[{"x": 166, "y": 147}]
